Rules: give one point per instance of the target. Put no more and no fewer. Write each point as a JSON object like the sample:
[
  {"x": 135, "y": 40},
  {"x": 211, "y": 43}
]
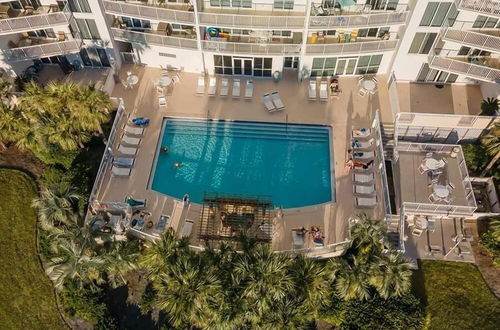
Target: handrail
[
  {"x": 33, "y": 22},
  {"x": 352, "y": 47},
  {"x": 144, "y": 11},
  {"x": 472, "y": 38},
  {"x": 153, "y": 39},
  {"x": 250, "y": 48},
  {"x": 475, "y": 71},
  {"x": 490, "y": 7},
  {"x": 251, "y": 21},
  {"x": 365, "y": 20},
  {"x": 42, "y": 50}
]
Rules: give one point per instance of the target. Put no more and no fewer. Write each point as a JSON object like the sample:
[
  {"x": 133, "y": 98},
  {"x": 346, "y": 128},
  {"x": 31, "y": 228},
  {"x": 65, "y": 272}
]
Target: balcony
[
  {"x": 33, "y": 48},
  {"x": 481, "y": 39},
  {"x": 226, "y": 47},
  {"x": 488, "y": 7},
  {"x": 352, "y": 47},
  {"x": 252, "y": 21},
  {"x": 181, "y": 13},
  {"x": 13, "y": 21},
  {"x": 482, "y": 68},
  {"x": 152, "y": 37}
]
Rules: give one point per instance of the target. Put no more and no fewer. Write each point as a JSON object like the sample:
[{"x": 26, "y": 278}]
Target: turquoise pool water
[{"x": 290, "y": 163}]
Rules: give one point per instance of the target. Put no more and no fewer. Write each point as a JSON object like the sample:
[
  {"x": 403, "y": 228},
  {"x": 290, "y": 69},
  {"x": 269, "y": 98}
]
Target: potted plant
[{"x": 490, "y": 106}]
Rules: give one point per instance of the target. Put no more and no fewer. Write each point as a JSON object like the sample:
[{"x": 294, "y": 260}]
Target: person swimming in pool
[
  {"x": 177, "y": 164},
  {"x": 164, "y": 149}
]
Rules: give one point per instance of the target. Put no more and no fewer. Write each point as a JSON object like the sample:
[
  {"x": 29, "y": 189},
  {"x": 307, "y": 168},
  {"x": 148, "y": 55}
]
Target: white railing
[
  {"x": 366, "y": 20},
  {"x": 42, "y": 50},
  {"x": 150, "y": 12},
  {"x": 34, "y": 22},
  {"x": 491, "y": 7},
  {"x": 352, "y": 47},
  {"x": 464, "y": 175},
  {"x": 460, "y": 65},
  {"x": 153, "y": 39},
  {"x": 472, "y": 38},
  {"x": 250, "y": 48},
  {"x": 251, "y": 21}
]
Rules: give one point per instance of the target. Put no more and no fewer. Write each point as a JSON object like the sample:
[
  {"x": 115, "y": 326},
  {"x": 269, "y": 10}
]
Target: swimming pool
[{"x": 290, "y": 163}]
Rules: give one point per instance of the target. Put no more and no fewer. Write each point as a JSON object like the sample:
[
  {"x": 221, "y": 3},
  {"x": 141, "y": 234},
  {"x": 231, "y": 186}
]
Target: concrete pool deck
[{"x": 347, "y": 112}]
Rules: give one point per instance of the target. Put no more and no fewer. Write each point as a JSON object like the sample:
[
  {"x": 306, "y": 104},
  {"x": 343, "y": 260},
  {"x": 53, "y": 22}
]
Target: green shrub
[
  {"x": 475, "y": 157},
  {"x": 492, "y": 246},
  {"x": 84, "y": 304},
  {"x": 146, "y": 303},
  {"x": 54, "y": 155}
]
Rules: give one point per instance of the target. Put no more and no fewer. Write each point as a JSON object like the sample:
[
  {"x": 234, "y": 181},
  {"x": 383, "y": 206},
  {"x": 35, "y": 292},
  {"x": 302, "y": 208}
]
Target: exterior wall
[{"x": 189, "y": 60}]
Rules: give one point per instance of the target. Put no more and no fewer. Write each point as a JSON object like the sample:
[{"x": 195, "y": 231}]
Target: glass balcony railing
[
  {"x": 151, "y": 37},
  {"x": 351, "y": 47},
  {"x": 464, "y": 34},
  {"x": 42, "y": 48},
  {"x": 489, "y": 7},
  {"x": 12, "y": 21},
  {"x": 156, "y": 12},
  {"x": 358, "y": 20},
  {"x": 250, "y": 48}
]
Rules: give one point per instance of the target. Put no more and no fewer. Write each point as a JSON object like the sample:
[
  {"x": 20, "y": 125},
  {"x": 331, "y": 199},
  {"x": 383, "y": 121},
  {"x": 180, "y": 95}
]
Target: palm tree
[
  {"x": 188, "y": 291},
  {"x": 119, "y": 260},
  {"x": 57, "y": 205},
  {"x": 352, "y": 278},
  {"x": 391, "y": 276},
  {"x": 311, "y": 284},
  {"x": 490, "y": 106},
  {"x": 368, "y": 237},
  {"x": 491, "y": 141}
]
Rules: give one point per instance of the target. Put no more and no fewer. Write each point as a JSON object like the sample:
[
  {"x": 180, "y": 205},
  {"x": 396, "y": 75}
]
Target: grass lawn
[
  {"x": 455, "y": 296},
  {"x": 26, "y": 296}
]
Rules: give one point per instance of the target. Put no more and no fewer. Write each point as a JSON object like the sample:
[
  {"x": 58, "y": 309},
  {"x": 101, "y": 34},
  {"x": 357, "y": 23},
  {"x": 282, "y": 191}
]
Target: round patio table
[
  {"x": 165, "y": 81},
  {"x": 369, "y": 85},
  {"x": 132, "y": 80},
  {"x": 441, "y": 191},
  {"x": 432, "y": 164}
]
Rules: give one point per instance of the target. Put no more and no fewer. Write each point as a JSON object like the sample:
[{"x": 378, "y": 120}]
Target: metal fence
[
  {"x": 149, "y": 12},
  {"x": 491, "y": 7},
  {"x": 352, "y": 47},
  {"x": 362, "y": 20},
  {"x": 250, "y": 48},
  {"x": 34, "y": 22},
  {"x": 251, "y": 21},
  {"x": 464, "y": 174},
  {"x": 153, "y": 39}
]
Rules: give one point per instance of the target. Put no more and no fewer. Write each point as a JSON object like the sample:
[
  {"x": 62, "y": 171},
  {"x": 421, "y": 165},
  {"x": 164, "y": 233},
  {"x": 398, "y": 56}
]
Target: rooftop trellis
[{"x": 223, "y": 217}]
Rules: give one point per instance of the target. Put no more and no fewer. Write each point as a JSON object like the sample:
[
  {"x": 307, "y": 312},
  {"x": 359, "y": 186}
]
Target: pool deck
[{"x": 343, "y": 114}]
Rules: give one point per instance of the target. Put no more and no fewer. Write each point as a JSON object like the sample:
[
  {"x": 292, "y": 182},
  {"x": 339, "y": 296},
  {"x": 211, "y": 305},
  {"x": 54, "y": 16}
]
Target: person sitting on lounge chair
[{"x": 316, "y": 235}]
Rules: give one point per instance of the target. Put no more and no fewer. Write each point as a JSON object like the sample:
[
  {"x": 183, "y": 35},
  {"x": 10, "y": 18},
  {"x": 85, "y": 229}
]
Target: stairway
[
  {"x": 393, "y": 231},
  {"x": 387, "y": 131}
]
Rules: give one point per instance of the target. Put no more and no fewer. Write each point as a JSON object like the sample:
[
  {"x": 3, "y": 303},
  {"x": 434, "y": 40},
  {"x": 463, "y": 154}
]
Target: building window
[
  {"x": 373, "y": 32},
  {"x": 223, "y": 64},
  {"x": 231, "y": 3},
  {"x": 422, "y": 43},
  {"x": 427, "y": 74},
  {"x": 439, "y": 13},
  {"x": 323, "y": 67},
  {"x": 262, "y": 67},
  {"x": 95, "y": 57},
  {"x": 136, "y": 23},
  {"x": 368, "y": 64},
  {"x": 383, "y": 4},
  {"x": 79, "y": 6},
  {"x": 88, "y": 28},
  {"x": 283, "y": 4},
  {"x": 279, "y": 33},
  {"x": 291, "y": 62},
  {"x": 485, "y": 22}
]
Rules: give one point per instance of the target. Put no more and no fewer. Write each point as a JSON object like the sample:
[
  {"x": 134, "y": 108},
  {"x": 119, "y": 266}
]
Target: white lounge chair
[
  {"x": 249, "y": 89},
  {"x": 275, "y": 96},
  {"x": 268, "y": 103},
  {"x": 121, "y": 171},
  {"x": 366, "y": 202},
  {"x": 162, "y": 101},
  {"x": 134, "y": 141},
  {"x": 212, "y": 86},
  {"x": 201, "y": 86},
  {"x": 323, "y": 91},
  {"x": 298, "y": 240},
  {"x": 162, "y": 224},
  {"x": 134, "y": 130},
  {"x": 224, "y": 87},
  {"x": 370, "y": 189},
  {"x": 187, "y": 228},
  {"x": 127, "y": 150},
  {"x": 363, "y": 155},
  {"x": 362, "y": 144},
  {"x": 313, "y": 90},
  {"x": 123, "y": 162},
  {"x": 236, "y": 88},
  {"x": 363, "y": 177}
]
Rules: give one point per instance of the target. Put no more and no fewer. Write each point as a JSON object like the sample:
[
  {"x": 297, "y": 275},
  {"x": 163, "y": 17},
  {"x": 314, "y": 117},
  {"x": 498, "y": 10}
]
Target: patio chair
[
  {"x": 236, "y": 88},
  {"x": 212, "y": 86},
  {"x": 123, "y": 162},
  {"x": 275, "y": 96},
  {"x": 365, "y": 155},
  {"x": 366, "y": 202},
  {"x": 249, "y": 89},
  {"x": 266, "y": 98},
  {"x": 127, "y": 150},
  {"x": 130, "y": 140},
  {"x": 187, "y": 228},
  {"x": 323, "y": 91},
  {"x": 201, "y": 86},
  {"x": 121, "y": 171},
  {"x": 176, "y": 79},
  {"x": 137, "y": 204},
  {"x": 363, "y": 178},
  {"x": 417, "y": 232},
  {"x": 422, "y": 168},
  {"x": 451, "y": 186},
  {"x": 224, "y": 88},
  {"x": 429, "y": 155},
  {"x": 362, "y": 92},
  {"x": 131, "y": 130},
  {"x": 367, "y": 190},
  {"x": 313, "y": 92},
  {"x": 137, "y": 224},
  {"x": 162, "y": 101},
  {"x": 433, "y": 198},
  {"x": 298, "y": 239},
  {"x": 436, "y": 249},
  {"x": 162, "y": 224}
]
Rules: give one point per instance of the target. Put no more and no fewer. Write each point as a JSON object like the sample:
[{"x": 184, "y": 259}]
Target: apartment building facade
[{"x": 418, "y": 41}]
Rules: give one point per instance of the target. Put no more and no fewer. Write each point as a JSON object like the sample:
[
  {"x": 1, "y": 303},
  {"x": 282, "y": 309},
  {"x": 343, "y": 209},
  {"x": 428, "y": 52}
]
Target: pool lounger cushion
[
  {"x": 127, "y": 150},
  {"x": 363, "y": 144},
  {"x": 187, "y": 228},
  {"x": 130, "y": 140},
  {"x": 366, "y": 201},
  {"x": 359, "y": 189},
  {"x": 298, "y": 240},
  {"x": 133, "y": 130},
  {"x": 123, "y": 162},
  {"x": 365, "y": 154},
  {"x": 368, "y": 177},
  {"x": 121, "y": 171}
]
